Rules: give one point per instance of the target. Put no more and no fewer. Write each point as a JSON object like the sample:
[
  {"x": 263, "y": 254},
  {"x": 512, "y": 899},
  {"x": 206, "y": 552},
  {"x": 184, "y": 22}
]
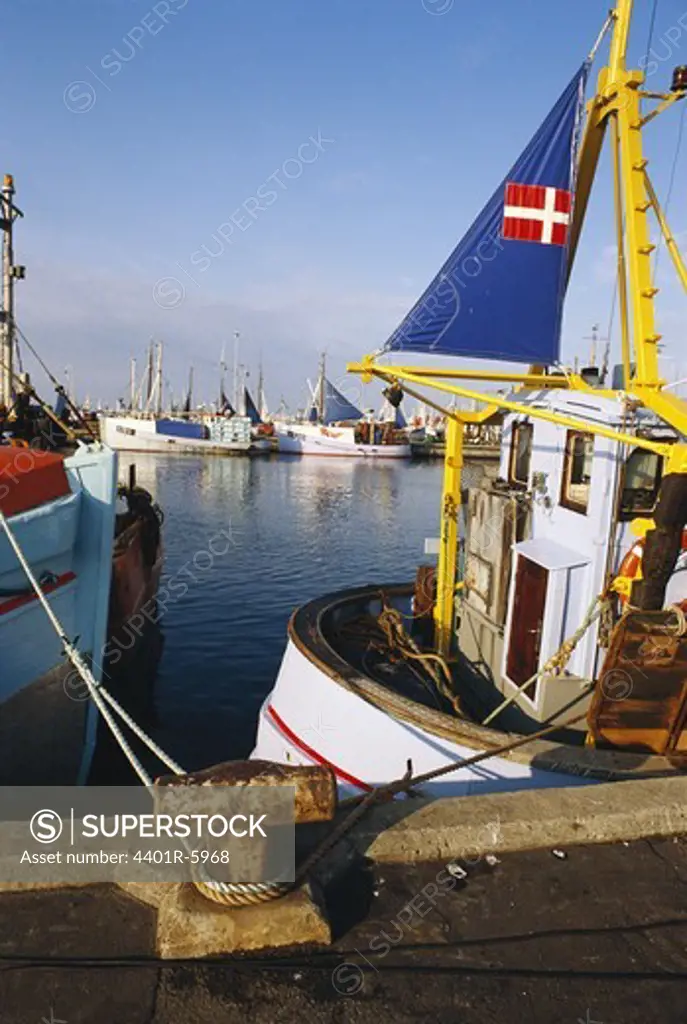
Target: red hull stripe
[
  {"x": 22, "y": 599},
  {"x": 312, "y": 754}
]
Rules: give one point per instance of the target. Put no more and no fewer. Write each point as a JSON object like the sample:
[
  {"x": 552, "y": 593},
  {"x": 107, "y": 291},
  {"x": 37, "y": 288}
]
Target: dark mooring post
[{"x": 663, "y": 544}]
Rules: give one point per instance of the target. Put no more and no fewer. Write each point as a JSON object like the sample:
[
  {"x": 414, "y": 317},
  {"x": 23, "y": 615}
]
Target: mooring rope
[{"x": 226, "y": 893}]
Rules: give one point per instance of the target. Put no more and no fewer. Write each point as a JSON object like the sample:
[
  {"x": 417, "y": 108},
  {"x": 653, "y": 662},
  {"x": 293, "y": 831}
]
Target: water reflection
[{"x": 299, "y": 528}]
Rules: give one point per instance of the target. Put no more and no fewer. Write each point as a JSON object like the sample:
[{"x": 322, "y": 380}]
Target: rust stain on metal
[{"x": 315, "y": 786}]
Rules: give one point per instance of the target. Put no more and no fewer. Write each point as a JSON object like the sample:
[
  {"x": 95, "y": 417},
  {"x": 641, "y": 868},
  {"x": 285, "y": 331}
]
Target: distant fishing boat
[
  {"x": 209, "y": 435},
  {"x": 549, "y": 645},
  {"x": 261, "y": 432},
  {"x": 150, "y": 430},
  {"x": 69, "y": 537},
  {"x": 335, "y": 427}
]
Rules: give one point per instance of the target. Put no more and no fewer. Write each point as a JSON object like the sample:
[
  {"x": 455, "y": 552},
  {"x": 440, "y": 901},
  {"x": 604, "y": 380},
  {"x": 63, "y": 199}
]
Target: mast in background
[
  {"x": 321, "y": 395},
  {"x": 158, "y": 380},
  {"x": 132, "y": 385},
  {"x": 10, "y": 273},
  {"x": 188, "y": 404},
  {"x": 69, "y": 384},
  {"x": 262, "y": 400},
  {"x": 237, "y": 336},
  {"x": 222, "y": 373},
  {"x": 149, "y": 378}
]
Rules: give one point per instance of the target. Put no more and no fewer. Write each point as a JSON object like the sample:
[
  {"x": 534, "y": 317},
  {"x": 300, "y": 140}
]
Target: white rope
[
  {"x": 98, "y": 692},
  {"x": 607, "y": 24},
  {"x": 141, "y": 733},
  {"x": 229, "y": 893},
  {"x": 75, "y": 656}
]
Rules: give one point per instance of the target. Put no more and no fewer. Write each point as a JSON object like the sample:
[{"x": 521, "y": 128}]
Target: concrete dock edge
[{"x": 412, "y": 831}]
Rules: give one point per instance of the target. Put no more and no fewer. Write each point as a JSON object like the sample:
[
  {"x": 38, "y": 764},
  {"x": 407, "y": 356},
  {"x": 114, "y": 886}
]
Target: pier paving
[{"x": 589, "y": 933}]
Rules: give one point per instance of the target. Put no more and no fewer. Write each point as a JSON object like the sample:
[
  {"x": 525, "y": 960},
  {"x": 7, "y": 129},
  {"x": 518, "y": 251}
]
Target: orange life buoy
[{"x": 631, "y": 568}]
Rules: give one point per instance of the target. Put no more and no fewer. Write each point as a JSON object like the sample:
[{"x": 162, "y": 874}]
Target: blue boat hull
[{"x": 47, "y": 727}]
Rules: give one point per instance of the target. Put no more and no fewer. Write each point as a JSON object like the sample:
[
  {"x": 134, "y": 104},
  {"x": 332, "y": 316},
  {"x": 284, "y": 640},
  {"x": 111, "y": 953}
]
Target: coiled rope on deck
[{"x": 387, "y": 633}]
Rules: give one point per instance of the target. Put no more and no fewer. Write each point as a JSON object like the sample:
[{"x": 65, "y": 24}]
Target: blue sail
[
  {"x": 334, "y": 408},
  {"x": 500, "y": 293},
  {"x": 251, "y": 408}
]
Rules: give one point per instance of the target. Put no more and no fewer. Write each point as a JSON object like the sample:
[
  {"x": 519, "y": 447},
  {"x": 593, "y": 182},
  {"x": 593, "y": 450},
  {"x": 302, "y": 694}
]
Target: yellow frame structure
[{"x": 617, "y": 104}]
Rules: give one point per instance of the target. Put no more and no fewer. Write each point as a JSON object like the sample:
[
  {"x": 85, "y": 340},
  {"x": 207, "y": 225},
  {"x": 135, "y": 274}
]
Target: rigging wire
[
  {"x": 652, "y": 26},
  {"x": 614, "y": 302},
  {"x": 607, "y": 24},
  {"x": 671, "y": 185},
  {"x": 59, "y": 388}
]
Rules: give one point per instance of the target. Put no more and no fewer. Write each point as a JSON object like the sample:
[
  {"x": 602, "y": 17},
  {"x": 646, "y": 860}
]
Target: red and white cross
[{"x": 537, "y": 213}]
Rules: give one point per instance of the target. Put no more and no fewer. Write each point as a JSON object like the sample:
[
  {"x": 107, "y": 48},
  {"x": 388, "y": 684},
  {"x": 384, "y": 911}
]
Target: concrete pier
[{"x": 538, "y": 907}]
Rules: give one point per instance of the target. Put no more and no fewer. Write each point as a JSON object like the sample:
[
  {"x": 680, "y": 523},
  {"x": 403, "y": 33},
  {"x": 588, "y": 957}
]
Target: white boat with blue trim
[{"x": 334, "y": 426}]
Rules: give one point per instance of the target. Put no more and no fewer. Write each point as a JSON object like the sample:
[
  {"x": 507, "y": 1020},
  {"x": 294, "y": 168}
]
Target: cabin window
[
  {"x": 577, "y": 470},
  {"x": 520, "y": 454},
  {"x": 641, "y": 483}
]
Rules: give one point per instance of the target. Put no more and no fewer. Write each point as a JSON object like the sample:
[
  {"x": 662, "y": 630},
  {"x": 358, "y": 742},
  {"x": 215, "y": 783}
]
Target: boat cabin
[{"x": 543, "y": 541}]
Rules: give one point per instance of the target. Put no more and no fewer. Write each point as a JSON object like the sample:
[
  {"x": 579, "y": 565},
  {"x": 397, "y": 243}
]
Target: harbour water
[{"x": 246, "y": 541}]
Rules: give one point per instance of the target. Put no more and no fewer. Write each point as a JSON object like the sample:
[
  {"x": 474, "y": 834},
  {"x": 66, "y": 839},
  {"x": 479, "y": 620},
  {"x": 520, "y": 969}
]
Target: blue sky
[{"x": 137, "y": 129}]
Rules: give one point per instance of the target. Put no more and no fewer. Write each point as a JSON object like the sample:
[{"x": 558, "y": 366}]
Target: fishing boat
[
  {"x": 207, "y": 435},
  {"x": 548, "y": 646},
  {"x": 334, "y": 426},
  {"x": 144, "y": 427},
  {"x": 261, "y": 432},
  {"x": 80, "y": 557}
]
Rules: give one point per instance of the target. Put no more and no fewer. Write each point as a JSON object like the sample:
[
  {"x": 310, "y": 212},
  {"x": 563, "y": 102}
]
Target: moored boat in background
[
  {"x": 145, "y": 427},
  {"x": 335, "y": 427},
  {"x": 209, "y": 435}
]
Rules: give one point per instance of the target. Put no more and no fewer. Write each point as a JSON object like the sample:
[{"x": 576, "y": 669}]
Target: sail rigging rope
[
  {"x": 54, "y": 381},
  {"x": 607, "y": 24},
  {"x": 652, "y": 26},
  {"x": 671, "y": 184}
]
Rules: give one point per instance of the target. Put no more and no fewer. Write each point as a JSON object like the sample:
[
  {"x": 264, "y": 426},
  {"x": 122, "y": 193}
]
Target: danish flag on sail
[
  {"x": 499, "y": 295},
  {"x": 537, "y": 213}
]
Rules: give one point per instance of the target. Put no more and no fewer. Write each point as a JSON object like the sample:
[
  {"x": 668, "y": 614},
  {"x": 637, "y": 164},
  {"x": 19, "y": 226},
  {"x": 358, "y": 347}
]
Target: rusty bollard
[{"x": 315, "y": 800}]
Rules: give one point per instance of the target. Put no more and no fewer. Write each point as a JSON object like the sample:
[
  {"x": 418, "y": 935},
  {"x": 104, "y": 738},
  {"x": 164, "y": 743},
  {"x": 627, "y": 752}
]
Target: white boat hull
[
  {"x": 325, "y": 710},
  {"x": 130, "y": 434},
  {"x": 307, "y": 439},
  {"x": 310, "y": 719}
]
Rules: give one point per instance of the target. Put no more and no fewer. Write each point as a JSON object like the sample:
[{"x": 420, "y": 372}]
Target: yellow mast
[
  {"x": 619, "y": 89},
  {"x": 618, "y": 102}
]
